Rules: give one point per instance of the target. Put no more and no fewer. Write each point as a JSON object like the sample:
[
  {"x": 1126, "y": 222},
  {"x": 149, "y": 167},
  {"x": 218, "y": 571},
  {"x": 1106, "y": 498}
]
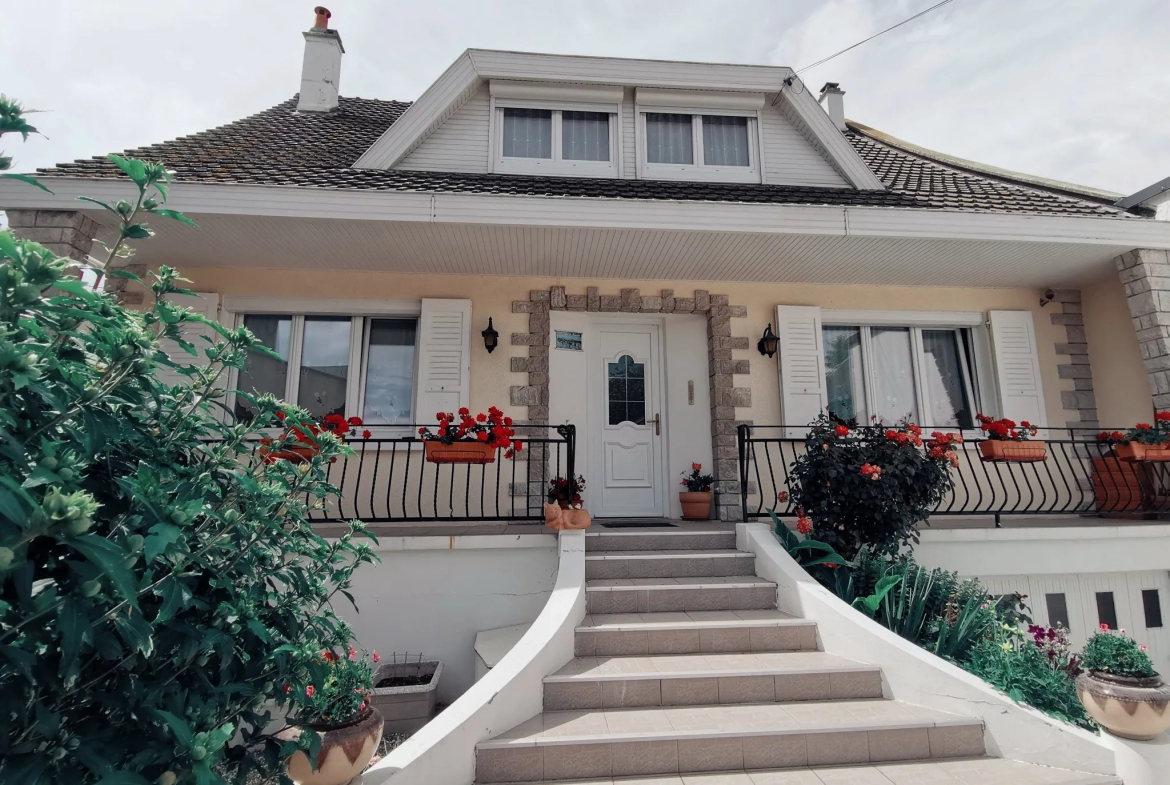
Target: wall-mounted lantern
[
  {"x": 491, "y": 338},
  {"x": 767, "y": 344}
]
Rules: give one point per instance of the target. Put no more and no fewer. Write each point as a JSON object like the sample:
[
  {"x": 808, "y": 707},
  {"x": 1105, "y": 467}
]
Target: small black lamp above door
[
  {"x": 491, "y": 338},
  {"x": 767, "y": 344}
]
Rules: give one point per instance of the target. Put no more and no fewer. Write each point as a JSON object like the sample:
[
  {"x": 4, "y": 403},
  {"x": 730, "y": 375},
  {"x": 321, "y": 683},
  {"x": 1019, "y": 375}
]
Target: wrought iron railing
[
  {"x": 389, "y": 480},
  {"x": 1080, "y": 476}
]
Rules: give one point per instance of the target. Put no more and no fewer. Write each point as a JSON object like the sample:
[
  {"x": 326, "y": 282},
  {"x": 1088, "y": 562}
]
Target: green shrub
[
  {"x": 157, "y": 586},
  {"x": 1116, "y": 653}
]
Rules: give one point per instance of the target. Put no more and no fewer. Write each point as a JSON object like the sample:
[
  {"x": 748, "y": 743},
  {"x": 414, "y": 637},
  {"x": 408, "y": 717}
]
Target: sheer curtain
[
  {"x": 669, "y": 139},
  {"x": 843, "y": 375},
  {"x": 893, "y": 374},
  {"x": 585, "y": 136},
  {"x": 942, "y": 376},
  {"x": 725, "y": 141},
  {"x": 389, "y": 371},
  {"x": 527, "y": 133}
]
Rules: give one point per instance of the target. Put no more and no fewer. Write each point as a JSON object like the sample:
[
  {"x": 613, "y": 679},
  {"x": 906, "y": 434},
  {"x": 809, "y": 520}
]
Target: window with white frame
[
  {"x": 333, "y": 365},
  {"x": 684, "y": 145},
  {"x": 921, "y": 374},
  {"x": 571, "y": 139}
]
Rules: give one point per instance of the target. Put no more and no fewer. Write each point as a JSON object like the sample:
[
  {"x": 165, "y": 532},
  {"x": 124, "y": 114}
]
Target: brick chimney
[
  {"x": 833, "y": 99},
  {"x": 321, "y": 71}
]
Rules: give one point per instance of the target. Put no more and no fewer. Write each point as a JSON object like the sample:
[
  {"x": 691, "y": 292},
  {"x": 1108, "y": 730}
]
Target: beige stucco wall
[
  {"x": 493, "y": 296},
  {"x": 1119, "y": 378}
]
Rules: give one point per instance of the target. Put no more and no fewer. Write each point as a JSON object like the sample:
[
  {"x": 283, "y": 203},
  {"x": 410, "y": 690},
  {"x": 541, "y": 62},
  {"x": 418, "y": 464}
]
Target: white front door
[{"x": 625, "y": 421}]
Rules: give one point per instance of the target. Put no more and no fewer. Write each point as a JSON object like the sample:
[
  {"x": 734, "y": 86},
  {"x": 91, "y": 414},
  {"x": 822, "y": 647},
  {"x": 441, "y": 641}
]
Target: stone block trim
[
  {"x": 1080, "y": 401},
  {"x": 1145, "y": 274},
  {"x": 722, "y": 367}
]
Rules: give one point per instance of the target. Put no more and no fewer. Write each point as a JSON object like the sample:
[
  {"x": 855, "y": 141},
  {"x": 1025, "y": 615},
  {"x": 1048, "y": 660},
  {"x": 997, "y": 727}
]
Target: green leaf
[
  {"x": 75, "y": 287},
  {"x": 161, "y": 536},
  {"x": 137, "y": 232},
  {"x": 178, "y": 726},
  {"x": 134, "y": 169},
  {"x": 97, "y": 202},
  {"x": 135, "y": 632},
  {"x": 109, "y": 558},
  {"x": 121, "y": 272},
  {"x": 122, "y": 777},
  {"x": 24, "y": 178},
  {"x": 176, "y": 216},
  {"x": 11, "y": 509},
  {"x": 73, "y": 623},
  {"x": 175, "y": 596}
]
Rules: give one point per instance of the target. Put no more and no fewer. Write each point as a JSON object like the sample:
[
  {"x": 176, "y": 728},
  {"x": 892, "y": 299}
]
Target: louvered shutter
[
  {"x": 1017, "y": 366},
  {"x": 802, "y": 366},
  {"x": 444, "y": 361},
  {"x": 206, "y": 304}
]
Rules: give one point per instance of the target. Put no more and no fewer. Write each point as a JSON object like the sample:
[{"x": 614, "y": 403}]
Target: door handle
[{"x": 657, "y": 425}]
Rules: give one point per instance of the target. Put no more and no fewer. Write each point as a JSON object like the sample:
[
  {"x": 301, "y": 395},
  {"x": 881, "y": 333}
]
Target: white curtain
[
  {"x": 585, "y": 136},
  {"x": 527, "y": 133},
  {"x": 843, "y": 374},
  {"x": 389, "y": 371},
  {"x": 893, "y": 374},
  {"x": 669, "y": 139},
  {"x": 725, "y": 141},
  {"x": 942, "y": 376}
]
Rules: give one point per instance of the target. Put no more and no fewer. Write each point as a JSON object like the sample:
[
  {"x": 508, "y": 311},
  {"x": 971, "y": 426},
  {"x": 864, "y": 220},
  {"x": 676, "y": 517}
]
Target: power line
[{"x": 875, "y": 35}]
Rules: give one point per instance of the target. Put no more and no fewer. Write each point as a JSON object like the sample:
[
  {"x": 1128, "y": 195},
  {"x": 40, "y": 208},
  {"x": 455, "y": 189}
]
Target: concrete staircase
[{"x": 686, "y": 673}]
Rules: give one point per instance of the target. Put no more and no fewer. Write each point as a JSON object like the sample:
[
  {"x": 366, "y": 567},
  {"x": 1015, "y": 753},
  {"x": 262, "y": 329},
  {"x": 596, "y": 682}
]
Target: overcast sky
[{"x": 1077, "y": 90}]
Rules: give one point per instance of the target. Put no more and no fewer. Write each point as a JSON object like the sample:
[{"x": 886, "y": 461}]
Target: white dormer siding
[
  {"x": 789, "y": 159},
  {"x": 458, "y": 145}
]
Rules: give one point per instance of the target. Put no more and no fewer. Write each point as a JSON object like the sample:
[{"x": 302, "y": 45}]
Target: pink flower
[
  {"x": 310, "y": 690},
  {"x": 376, "y": 657},
  {"x": 352, "y": 652},
  {"x": 1143, "y": 647},
  {"x": 1104, "y": 627}
]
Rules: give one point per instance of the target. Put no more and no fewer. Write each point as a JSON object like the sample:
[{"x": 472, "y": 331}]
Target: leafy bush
[
  {"x": 341, "y": 696},
  {"x": 871, "y": 484},
  {"x": 1116, "y": 653},
  {"x": 156, "y": 583}
]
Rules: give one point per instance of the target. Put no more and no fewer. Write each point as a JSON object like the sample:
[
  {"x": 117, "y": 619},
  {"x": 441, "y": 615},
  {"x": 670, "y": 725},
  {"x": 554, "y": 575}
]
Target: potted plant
[
  {"x": 298, "y": 443},
  {"x": 468, "y": 439},
  {"x": 1145, "y": 442},
  {"x": 334, "y": 721},
  {"x": 1120, "y": 688},
  {"x": 696, "y": 499},
  {"x": 566, "y": 492},
  {"x": 404, "y": 692},
  {"x": 1007, "y": 441}
]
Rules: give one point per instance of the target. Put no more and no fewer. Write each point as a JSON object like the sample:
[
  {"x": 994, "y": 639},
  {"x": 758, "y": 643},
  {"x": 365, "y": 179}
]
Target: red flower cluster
[
  {"x": 493, "y": 428},
  {"x": 1111, "y": 436},
  {"x": 940, "y": 447},
  {"x": 911, "y": 434},
  {"x": 1005, "y": 430},
  {"x": 841, "y": 430},
  {"x": 1162, "y": 416},
  {"x": 871, "y": 471},
  {"x": 803, "y": 524}
]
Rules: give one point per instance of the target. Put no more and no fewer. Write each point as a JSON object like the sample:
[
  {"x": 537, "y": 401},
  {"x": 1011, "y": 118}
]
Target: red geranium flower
[
  {"x": 310, "y": 690},
  {"x": 1143, "y": 426},
  {"x": 803, "y": 525},
  {"x": 1162, "y": 416},
  {"x": 366, "y": 434},
  {"x": 354, "y": 421},
  {"x": 841, "y": 430},
  {"x": 463, "y": 410}
]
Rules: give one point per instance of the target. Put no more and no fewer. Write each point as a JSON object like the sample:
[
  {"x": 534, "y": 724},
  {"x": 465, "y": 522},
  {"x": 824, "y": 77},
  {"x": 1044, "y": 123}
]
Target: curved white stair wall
[
  {"x": 512, "y": 692},
  {"x": 916, "y": 676}
]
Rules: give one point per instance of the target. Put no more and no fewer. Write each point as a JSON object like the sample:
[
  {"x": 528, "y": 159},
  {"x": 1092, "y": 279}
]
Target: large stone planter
[
  {"x": 345, "y": 750},
  {"x": 406, "y": 709},
  {"x": 1126, "y": 706}
]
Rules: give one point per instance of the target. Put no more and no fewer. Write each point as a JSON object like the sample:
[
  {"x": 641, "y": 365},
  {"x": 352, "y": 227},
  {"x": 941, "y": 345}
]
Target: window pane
[
  {"x": 893, "y": 374},
  {"x": 1106, "y": 609},
  {"x": 626, "y": 391},
  {"x": 527, "y": 133},
  {"x": 725, "y": 141},
  {"x": 585, "y": 136},
  {"x": 1057, "y": 610},
  {"x": 668, "y": 139},
  {"x": 942, "y": 376},
  {"x": 324, "y": 365},
  {"x": 261, "y": 373},
  {"x": 1152, "y": 605},
  {"x": 843, "y": 376},
  {"x": 389, "y": 371}
]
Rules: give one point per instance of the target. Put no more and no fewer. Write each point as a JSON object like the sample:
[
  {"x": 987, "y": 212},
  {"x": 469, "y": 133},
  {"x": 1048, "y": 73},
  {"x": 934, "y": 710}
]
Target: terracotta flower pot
[
  {"x": 292, "y": 454},
  {"x": 1127, "y": 706},
  {"x": 1020, "y": 452},
  {"x": 459, "y": 452},
  {"x": 345, "y": 750},
  {"x": 1136, "y": 451},
  {"x": 696, "y": 505}
]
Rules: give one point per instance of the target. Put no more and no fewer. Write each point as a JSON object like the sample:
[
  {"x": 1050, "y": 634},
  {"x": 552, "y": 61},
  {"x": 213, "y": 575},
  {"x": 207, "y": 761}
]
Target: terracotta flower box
[
  {"x": 407, "y": 708},
  {"x": 1136, "y": 451},
  {"x": 1117, "y": 487},
  {"x": 459, "y": 452},
  {"x": 998, "y": 450}
]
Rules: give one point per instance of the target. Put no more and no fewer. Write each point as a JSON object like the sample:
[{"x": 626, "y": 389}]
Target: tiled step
[
  {"x": 693, "y": 632},
  {"x": 972, "y": 771},
  {"x": 627, "y": 742},
  {"x": 660, "y": 540},
  {"x": 706, "y": 679},
  {"x": 667, "y": 564},
  {"x": 652, "y": 595}
]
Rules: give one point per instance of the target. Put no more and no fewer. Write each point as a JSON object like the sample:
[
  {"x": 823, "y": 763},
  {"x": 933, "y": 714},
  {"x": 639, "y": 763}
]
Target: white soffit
[
  {"x": 699, "y": 99},
  {"x": 550, "y": 91}
]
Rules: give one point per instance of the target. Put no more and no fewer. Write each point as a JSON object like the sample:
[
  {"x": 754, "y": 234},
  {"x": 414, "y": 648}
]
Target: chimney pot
[
  {"x": 833, "y": 99},
  {"x": 323, "y": 17},
  {"x": 321, "y": 70}
]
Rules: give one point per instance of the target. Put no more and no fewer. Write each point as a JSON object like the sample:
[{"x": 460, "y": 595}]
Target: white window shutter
[
  {"x": 803, "y": 396},
  {"x": 206, "y": 304},
  {"x": 444, "y": 357},
  {"x": 1017, "y": 367}
]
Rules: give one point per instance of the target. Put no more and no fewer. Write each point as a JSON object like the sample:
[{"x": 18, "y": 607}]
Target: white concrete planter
[{"x": 406, "y": 709}]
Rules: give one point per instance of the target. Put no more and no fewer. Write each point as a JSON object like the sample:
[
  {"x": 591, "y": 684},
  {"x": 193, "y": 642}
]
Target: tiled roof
[{"x": 281, "y": 146}]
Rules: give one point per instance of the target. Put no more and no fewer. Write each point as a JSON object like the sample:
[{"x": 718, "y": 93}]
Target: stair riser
[
  {"x": 725, "y": 690},
  {"x": 726, "y": 753},
  {"x": 634, "y": 600},
  {"x": 660, "y": 542},
  {"x": 633, "y": 643},
  {"x": 699, "y": 567}
]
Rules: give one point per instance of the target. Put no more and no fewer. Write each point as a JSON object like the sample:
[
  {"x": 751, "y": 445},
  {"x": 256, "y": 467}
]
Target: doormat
[{"x": 638, "y": 525}]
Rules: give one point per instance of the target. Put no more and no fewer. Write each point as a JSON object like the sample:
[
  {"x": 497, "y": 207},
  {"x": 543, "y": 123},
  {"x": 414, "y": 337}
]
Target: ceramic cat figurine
[{"x": 555, "y": 518}]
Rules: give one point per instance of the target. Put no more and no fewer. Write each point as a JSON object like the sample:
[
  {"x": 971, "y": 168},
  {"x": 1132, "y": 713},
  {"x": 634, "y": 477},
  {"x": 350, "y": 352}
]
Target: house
[{"x": 669, "y": 251}]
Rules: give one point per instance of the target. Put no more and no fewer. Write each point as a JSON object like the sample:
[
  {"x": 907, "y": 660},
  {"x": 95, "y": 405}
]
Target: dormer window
[
  {"x": 697, "y": 135},
  {"x": 556, "y": 136}
]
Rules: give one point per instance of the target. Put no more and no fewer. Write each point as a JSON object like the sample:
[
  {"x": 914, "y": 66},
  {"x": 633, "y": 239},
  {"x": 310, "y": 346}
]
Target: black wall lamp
[
  {"x": 767, "y": 344},
  {"x": 491, "y": 338}
]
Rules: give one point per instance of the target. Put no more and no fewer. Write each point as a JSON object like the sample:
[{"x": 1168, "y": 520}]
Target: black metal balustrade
[
  {"x": 389, "y": 480},
  {"x": 1079, "y": 477}
]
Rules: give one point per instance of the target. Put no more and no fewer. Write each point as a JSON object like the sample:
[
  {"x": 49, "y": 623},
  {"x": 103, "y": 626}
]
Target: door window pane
[
  {"x": 527, "y": 133},
  {"x": 1106, "y": 609},
  {"x": 725, "y": 141},
  {"x": 669, "y": 139},
  {"x": 893, "y": 374},
  {"x": 843, "y": 375},
  {"x": 585, "y": 136},
  {"x": 1057, "y": 610},
  {"x": 324, "y": 365},
  {"x": 626, "y": 391},
  {"x": 1152, "y": 605},
  {"x": 262, "y": 373},
  {"x": 389, "y": 371},
  {"x": 942, "y": 376}
]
